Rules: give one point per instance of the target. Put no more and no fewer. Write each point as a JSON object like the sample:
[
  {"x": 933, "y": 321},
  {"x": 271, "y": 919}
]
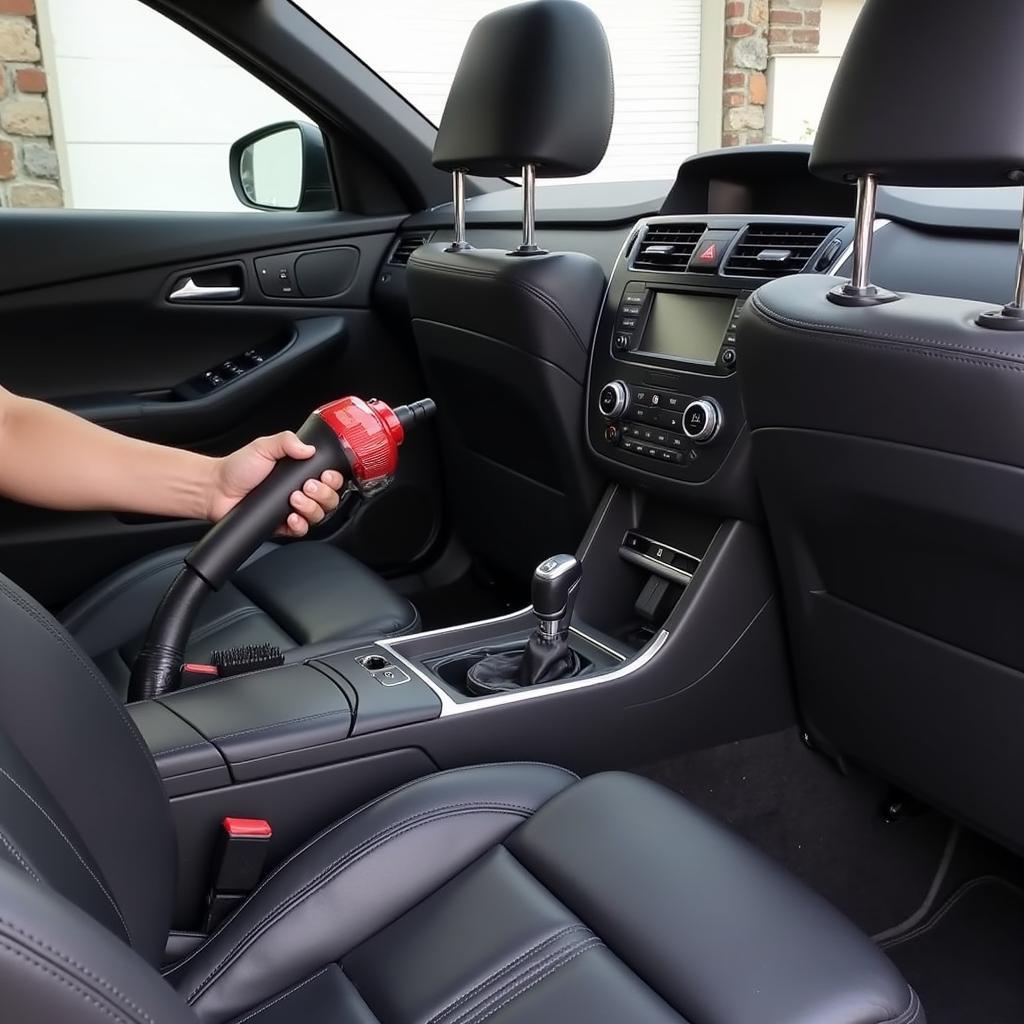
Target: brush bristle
[{"x": 251, "y": 658}]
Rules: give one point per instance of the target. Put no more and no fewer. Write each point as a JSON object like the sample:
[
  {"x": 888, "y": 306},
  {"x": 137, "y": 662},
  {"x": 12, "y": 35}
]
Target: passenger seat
[{"x": 291, "y": 595}]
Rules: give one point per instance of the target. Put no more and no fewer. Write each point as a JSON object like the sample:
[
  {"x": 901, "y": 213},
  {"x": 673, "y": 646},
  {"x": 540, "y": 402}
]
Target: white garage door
[
  {"x": 146, "y": 112},
  {"x": 416, "y": 44}
]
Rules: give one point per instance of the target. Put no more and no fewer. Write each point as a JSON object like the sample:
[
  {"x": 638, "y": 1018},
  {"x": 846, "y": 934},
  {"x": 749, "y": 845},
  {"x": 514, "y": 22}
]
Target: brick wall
[
  {"x": 29, "y": 169},
  {"x": 756, "y": 30}
]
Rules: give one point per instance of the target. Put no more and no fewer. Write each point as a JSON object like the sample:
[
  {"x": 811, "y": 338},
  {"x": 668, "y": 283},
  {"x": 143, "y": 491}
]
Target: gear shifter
[
  {"x": 547, "y": 655},
  {"x": 555, "y": 583}
]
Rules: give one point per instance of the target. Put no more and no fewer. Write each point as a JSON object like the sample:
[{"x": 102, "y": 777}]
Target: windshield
[{"x": 690, "y": 75}]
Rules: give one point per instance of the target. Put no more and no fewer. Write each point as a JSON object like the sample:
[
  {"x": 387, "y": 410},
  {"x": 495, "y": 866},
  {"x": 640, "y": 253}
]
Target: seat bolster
[
  {"x": 718, "y": 930},
  {"x": 119, "y": 609},
  {"x": 356, "y": 877},
  {"x": 45, "y": 943}
]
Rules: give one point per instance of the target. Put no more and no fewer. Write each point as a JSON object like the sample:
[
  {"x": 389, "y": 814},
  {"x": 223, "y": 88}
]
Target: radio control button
[
  {"x": 702, "y": 420},
  {"x": 613, "y": 399}
]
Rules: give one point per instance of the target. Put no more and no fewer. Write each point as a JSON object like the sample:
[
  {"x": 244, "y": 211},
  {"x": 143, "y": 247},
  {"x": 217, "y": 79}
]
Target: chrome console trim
[{"x": 450, "y": 707}]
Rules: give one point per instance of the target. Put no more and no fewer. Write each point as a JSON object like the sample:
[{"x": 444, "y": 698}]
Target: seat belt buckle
[{"x": 239, "y": 860}]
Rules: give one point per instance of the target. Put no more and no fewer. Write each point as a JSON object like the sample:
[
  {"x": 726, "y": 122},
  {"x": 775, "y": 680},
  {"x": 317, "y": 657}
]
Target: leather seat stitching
[
  {"x": 71, "y": 846},
  {"x": 280, "y": 725},
  {"x": 41, "y": 965},
  {"x": 514, "y": 986},
  {"x": 578, "y": 952},
  {"x": 346, "y": 860},
  {"x": 174, "y": 968},
  {"x": 394, "y": 792},
  {"x": 184, "y": 746},
  {"x": 909, "y": 1015},
  {"x": 16, "y": 854},
  {"x": 40, "y": 944},
  {"x": 90, "y": 670},
  {"x": 913, "y": 342},
  {"x": 284, "y": 995},
  {"x": 501, "y": 972}
]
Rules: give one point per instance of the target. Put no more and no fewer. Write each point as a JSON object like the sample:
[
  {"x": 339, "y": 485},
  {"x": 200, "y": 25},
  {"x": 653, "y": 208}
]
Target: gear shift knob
[{"x": 555, "y": 583}]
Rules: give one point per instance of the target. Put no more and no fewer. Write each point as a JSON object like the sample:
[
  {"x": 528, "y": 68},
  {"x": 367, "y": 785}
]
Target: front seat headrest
[
  {"x": 534, "y": 86},
  {"x": 928, "y": 93}
]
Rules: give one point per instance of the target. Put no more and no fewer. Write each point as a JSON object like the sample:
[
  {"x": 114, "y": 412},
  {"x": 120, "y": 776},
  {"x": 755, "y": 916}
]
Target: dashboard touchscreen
[{"x": 689, "y": 327}]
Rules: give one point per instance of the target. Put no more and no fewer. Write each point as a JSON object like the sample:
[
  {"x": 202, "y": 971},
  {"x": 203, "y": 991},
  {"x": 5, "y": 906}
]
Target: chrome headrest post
[
  {"x": 529, "y": 247},
  {"x": 459, "y": 243},
  {"x": 859, "y": 291},
  {"x": 1011, "y": 316},
  {"x": 864, "y": 233}
]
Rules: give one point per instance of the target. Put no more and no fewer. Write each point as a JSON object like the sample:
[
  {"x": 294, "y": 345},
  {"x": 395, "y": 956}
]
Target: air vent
[
  {"x": 406, "y": 246},
  {"x": 667, "y": 246},
  {"x": 775, "y": 250}
]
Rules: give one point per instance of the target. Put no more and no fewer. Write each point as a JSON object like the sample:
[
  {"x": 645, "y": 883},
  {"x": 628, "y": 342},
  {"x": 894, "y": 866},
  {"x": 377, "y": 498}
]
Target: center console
[
  {"x": 663, "y": 408},
  {"x": 661, "y": 634},
  {"x": 664, "y": 397}
]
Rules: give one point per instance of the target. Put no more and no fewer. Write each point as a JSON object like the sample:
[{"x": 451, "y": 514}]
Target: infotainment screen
[{"x": 689, "y": 327}]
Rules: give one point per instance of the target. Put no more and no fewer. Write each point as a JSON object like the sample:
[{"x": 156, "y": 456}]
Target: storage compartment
[{"x": 265, "y": 723}]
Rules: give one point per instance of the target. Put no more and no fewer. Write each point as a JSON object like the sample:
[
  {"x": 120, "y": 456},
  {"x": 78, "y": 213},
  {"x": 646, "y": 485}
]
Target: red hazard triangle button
[{"x": 710, "y": 250}]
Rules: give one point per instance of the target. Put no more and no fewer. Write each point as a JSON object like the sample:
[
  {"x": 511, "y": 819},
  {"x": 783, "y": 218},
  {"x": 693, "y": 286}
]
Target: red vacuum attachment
[
  {"x": 370, "y": 434},
  {"x": 360, "y": 439}
]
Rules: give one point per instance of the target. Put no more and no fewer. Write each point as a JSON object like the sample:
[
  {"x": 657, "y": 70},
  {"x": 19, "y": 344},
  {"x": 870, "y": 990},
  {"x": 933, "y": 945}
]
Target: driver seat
[
  {"x": 304, "y": 597},
  {"x": 503, "y": 893}
]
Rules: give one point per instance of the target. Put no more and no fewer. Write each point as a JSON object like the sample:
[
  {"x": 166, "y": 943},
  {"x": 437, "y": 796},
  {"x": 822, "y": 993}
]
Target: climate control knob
[
  {"x": 614, "y": 399},
  {"x": 702, "y": 420}
]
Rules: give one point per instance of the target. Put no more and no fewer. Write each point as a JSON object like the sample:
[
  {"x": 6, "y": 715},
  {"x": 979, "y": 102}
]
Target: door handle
[{"x": 189, "y": 291}]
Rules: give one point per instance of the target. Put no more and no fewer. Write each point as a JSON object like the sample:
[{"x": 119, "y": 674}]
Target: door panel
[{"x": 93, "y": 319}]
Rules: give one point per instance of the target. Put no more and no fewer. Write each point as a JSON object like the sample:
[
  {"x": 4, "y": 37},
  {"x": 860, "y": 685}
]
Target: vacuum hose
[{"x": 359, "y": 439}]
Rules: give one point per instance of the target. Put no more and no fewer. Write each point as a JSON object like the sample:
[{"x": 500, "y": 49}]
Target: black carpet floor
[
  {"x": 824, "y": 826},
  {"x": 967, "y": 960}
]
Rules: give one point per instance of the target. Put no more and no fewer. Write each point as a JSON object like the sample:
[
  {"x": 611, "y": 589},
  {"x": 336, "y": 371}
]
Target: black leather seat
[
  {"x": 500, "y": 893},
  {"x": 504, "y": 336},
  {"x": 886, "y": 441},
  {"x": 294, "y": 595}
]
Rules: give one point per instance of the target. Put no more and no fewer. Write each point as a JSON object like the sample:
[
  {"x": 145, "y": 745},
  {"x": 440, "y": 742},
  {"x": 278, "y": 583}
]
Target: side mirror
[{"x": 283, "y": 167}]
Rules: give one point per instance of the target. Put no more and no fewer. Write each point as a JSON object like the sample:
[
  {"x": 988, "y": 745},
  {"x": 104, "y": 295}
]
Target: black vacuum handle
[{"x": 237, "y": 536}]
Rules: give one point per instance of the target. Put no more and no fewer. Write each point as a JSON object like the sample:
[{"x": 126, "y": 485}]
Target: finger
[
  {"x": 333, "y": 479},
  {"x": 295, "y": 526},
  {"x": 295, "y": 448},
  {"x": 326, "y": 497},
  {"x": 307, "y": 507},
  {"x": 287, "y": 443}
]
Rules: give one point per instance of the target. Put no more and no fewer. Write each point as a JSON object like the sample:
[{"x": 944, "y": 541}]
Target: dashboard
[
  {"x": 663, "y": 406},
  {"x": 681, "y": 257}
]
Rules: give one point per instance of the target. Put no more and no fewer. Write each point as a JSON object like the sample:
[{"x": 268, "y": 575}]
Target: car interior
[{"x": 660, "y": 663}]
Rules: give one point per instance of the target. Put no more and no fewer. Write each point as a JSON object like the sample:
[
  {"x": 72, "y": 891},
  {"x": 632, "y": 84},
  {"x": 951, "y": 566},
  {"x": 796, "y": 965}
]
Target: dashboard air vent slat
[
  {"x": 775, "y": 250},
  {"x": 406, "y": 245},
  {"x": 667, "y": 246}
]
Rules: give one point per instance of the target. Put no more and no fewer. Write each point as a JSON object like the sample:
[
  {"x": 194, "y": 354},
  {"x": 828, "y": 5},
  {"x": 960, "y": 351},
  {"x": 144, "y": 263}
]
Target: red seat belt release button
[
  {"x": 247, "y": 828},
  {"x": 239, "y": 861}
]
